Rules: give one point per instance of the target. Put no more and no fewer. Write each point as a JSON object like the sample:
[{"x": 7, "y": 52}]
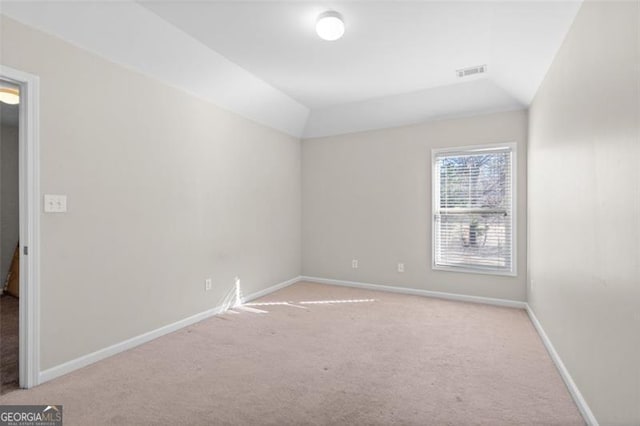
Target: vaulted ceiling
[{"x": 395, "y": 64}]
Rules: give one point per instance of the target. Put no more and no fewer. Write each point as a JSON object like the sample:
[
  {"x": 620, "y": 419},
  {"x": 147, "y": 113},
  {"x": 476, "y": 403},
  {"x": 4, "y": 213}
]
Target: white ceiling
[
  {"x": 394, "y": 66},
  {"x": 126, "y": 33},
  {"x": 389, "y": 47}
]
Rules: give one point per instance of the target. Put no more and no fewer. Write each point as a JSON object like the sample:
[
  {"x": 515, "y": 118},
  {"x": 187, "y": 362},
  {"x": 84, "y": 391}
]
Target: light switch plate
[{"x": 55, "y": 203}]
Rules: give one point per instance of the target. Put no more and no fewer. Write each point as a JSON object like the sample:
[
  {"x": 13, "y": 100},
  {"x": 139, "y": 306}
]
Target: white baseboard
[
  {"x": 83, "y": 361},
  {"x": 420, "y": 292},
  {"x": 586, "y": 412}
]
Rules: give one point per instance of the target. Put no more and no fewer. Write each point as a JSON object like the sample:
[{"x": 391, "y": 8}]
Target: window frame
[{"x": 435, "y": 194}]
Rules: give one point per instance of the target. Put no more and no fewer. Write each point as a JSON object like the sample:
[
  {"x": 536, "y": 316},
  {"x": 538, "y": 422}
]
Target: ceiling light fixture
[
  {"x": 330, "y": 26},
  {"x": 9, "y": 96}
]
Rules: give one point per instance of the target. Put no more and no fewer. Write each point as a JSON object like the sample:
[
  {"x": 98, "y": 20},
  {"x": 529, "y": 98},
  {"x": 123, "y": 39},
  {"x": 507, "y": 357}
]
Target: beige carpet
[
  {"x": 366, "y": 358},
  {"x": 8, "y": 343}
]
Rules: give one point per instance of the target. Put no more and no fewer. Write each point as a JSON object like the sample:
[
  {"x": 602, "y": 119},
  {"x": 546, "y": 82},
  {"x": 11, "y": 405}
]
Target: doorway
[
  {"x": 9, "y": 236},
  {"x": 19, "y": 235}
]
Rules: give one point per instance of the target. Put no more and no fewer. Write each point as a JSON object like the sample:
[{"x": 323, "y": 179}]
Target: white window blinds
[{"x": 473, "y": 210}]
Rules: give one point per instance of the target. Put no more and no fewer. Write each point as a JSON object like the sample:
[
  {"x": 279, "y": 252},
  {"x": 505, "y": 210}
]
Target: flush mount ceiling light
[
  {"x": 9, "y": 96},
  {"x": 330, "y": 26}
]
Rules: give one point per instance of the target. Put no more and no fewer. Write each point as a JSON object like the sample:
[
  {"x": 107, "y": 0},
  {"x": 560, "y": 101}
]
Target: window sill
[{"x": 470, "y": 270}]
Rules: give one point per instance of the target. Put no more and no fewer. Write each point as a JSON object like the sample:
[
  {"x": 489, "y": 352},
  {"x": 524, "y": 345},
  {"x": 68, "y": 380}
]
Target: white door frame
[{"x": 29, "y": 200}]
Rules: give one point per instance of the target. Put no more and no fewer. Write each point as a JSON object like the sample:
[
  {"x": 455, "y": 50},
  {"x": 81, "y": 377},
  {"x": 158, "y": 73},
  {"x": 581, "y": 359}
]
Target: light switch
[{"x": 55, "y": 203}]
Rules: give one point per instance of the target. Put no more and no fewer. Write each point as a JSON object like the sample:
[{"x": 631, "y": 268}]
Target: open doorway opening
[
  {"x": 9, "y": 236},
  {"x": 26, "y": 268}
]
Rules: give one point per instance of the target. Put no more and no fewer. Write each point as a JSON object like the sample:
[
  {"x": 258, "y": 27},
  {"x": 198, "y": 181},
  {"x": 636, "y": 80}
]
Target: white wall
[
  {"x": 584, "y": 208},
  {"x": 9, "y": 223},
  {"x": 164, "y": 190},
  {"x": 367, "y": 196}
]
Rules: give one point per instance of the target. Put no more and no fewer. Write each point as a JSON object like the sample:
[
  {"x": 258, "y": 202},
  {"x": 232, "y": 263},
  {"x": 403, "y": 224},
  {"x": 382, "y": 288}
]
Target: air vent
[{"x": 468, "y": 72}]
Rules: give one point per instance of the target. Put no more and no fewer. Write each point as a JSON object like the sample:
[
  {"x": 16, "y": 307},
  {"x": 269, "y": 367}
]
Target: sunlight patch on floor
[
  {"x": 329, "y": 302},
  {"x": 309, "y": 302},
  {"x": 252, "y": 307}
]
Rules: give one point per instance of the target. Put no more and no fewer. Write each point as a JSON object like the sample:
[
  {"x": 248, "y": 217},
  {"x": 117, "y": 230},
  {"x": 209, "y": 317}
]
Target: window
[{"x": 473, "y": 205}]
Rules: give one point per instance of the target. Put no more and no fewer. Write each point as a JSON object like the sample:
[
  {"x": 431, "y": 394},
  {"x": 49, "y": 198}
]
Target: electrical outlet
[
  {"x": 354, "y": 263},
  {"x": 400, "y": 267},
  {"x": 207, "y": 284}
]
